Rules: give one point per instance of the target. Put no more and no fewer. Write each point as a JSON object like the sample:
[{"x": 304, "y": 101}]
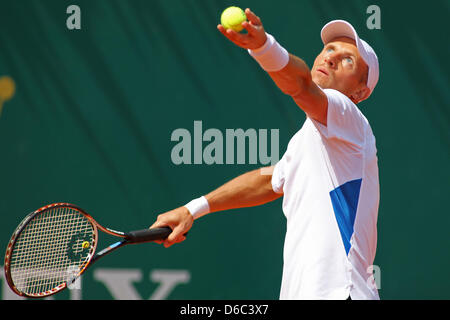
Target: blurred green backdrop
[{"x": 93, "y": 111}]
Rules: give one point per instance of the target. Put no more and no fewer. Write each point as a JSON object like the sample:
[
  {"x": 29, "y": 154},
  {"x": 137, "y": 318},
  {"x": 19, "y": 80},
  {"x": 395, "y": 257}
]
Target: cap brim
[{"x": 338, "y": 28}]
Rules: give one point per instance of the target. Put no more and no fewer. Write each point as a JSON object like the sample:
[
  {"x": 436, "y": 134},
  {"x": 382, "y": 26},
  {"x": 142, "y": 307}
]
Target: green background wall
[{"x": 94, "y": 109}]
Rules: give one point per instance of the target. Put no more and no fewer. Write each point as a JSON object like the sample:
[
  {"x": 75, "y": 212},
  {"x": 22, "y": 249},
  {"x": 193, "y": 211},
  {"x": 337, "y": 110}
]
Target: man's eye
[
  {"x": 330, "y": 50},
  {"x": 348, "y": 60}
]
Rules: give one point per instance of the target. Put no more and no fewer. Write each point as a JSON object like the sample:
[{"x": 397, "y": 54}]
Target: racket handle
[{"x": 147, "y": 235}]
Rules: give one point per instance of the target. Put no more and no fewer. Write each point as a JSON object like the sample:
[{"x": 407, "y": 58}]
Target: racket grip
[{"x": 147, "y": 235}]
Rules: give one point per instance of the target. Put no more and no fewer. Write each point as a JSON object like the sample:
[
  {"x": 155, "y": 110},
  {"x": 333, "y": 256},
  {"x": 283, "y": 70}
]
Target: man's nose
[{"x": 330, "y": 61}]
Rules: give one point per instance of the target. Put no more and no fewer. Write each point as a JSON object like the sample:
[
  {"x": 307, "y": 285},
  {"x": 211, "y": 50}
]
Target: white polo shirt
[{"x": 329, "y": 177}]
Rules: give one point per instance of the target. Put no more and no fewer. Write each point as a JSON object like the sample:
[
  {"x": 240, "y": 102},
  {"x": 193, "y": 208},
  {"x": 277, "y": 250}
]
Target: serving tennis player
[{"x": 328, "y": 176}]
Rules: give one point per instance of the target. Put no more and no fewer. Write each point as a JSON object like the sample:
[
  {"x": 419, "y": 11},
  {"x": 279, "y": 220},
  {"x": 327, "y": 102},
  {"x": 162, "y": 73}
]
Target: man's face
[{"x": 339, "y": 66}]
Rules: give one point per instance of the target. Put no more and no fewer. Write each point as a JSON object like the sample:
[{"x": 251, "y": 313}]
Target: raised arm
[
  {"x": 293, "y": 79},
  {"x": 247, "y": 190}
]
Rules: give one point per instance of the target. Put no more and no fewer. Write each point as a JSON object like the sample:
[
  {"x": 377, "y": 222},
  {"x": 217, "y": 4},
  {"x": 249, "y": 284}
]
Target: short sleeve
[
  {"x": 278, "y": 175},
  {"x": 344, "y": 120}
]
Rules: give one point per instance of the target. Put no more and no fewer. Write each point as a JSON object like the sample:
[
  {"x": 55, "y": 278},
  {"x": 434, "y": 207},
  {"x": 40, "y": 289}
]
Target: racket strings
[{"x": 49, "y": 251}]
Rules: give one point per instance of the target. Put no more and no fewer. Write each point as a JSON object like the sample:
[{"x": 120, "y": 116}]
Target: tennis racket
[{"x": 55, "y": 244}]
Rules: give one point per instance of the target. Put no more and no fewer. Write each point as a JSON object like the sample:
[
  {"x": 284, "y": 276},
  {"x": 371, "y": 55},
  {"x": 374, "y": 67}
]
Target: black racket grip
[{"x": 147, "y": 235}]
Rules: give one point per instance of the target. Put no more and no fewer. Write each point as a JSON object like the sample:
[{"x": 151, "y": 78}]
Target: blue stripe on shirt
[{"x": 345, "y": 202}]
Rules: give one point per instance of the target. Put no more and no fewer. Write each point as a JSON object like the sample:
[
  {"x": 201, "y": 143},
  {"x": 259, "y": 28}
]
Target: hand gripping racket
[{"x": 55, "y": 244}]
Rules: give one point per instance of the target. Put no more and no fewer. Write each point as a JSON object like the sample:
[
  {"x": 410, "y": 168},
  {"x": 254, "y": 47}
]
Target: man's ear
[{"x": 360, "y": 94}]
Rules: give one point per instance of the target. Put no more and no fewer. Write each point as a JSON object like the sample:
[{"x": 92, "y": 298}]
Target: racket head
[{"x": 48, "y": 250}]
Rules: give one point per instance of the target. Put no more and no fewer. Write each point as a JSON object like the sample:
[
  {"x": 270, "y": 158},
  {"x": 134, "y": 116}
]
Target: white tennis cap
[{"x": 341, "y": 28}]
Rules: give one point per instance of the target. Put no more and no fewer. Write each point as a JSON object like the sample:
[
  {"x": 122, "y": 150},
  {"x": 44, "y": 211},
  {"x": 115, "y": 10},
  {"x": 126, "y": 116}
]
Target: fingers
[
  {"x": 235, "y": 37},
  {"x": 179, "y": 220},
  {"x": 253, "y": 18},
  {"x": 243, "y": 40},
  {"x": 251, "y": 29},
  {"x": 176, "y": 236},
  {"x": 158, "y": 224},
  {"x": 221, "y": 29},
  {"x": 173, "y": 236}
]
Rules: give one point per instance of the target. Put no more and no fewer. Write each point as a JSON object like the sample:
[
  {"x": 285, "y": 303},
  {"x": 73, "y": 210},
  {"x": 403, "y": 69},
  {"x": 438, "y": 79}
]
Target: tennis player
[{"x": 328, "y": 176}]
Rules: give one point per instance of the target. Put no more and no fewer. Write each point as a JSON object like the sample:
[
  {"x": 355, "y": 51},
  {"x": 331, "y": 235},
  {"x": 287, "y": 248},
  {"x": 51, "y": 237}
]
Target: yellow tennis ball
[
  {"x": 232, "y": 18},
  {"x": 85, "y": 244}
]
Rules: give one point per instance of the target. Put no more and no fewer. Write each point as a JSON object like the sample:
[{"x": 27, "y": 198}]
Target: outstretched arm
[
  {"x": 250, "y": 189},
  {"x": 293, "y": 79},
  {"x": 247, "y": 190}
]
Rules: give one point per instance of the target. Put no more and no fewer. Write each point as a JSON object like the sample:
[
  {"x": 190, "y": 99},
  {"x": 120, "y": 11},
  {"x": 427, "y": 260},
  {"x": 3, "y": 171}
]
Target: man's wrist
[
  {"x": 261, "y": 48},
  {"x": 198, "y": 207},
  {"x": 271, "y": 56}
]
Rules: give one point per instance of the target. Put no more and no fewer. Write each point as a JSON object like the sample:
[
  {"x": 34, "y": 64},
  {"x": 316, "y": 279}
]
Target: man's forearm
[
  {"x": 296, "y": 81},
  {"x": 294, "y": 77},
  {"x": 247, "y": 190}
]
